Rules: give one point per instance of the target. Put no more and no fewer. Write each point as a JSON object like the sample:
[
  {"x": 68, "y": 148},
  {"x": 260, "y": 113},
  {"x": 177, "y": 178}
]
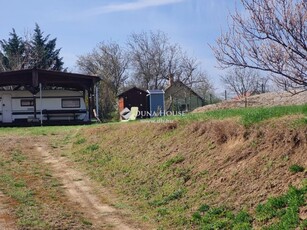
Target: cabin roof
[{"x": 33, "y": 77}]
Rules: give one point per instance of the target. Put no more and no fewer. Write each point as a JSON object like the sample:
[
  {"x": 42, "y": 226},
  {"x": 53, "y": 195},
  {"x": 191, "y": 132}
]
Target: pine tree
[
  {"x": 37, "y": 52},
  {"x": 43, "y": 52},
  {"x": 12, "y": 56}
]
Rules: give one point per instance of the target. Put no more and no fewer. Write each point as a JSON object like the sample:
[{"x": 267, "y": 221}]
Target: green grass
[
  {"x": 296, "y": 168},
  {"x": 175, "y": 160},
  {"x": 37, "y": 131},
  {"x": 247, "y": 116},
  {"x": 282, "y": 212},
  {"x": 276, "y": 213},
  {"x": 221, "y": 218}
]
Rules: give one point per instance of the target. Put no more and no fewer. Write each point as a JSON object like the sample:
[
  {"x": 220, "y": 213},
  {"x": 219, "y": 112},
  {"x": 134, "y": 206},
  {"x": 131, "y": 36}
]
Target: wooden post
[
  {"x": 41, "y": 102},
  {"x": 34, "y": 105},
  {"x": 89, "y": 96},
  {"x": 97, "y": 100}
]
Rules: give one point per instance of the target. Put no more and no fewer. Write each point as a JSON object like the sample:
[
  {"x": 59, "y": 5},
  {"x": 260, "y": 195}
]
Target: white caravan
[{"x": 50, "y": 105}]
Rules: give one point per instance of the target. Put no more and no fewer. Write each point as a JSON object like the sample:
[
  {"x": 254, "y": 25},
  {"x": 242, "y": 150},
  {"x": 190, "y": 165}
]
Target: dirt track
[
  {"x": 82, "y": 191},
  {"x": 81, "y": 194}
]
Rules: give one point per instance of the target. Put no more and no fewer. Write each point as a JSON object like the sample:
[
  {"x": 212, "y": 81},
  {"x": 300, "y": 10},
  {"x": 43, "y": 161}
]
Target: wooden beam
[{"x": 34, "y": 78}]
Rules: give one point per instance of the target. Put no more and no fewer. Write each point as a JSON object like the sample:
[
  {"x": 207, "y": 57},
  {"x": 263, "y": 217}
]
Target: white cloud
[{"x": 130, "y": 6}]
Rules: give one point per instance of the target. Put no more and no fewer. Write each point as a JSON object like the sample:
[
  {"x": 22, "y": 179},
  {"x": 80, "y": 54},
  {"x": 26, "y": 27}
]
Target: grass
[
  {"x": 37, "y": 131},
  {"x": 221, "y": 218},
  {"x": 296, "y": 168},
  {"x": 247, "y": 116},
  {"x": 175, "y": 160},
  {"x": 161, "y": 172},
  {"x": 280, "y": 212},
  {"x": 155, "y": 172}
]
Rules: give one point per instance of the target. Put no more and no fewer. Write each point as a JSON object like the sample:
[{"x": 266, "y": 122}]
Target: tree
[
  {"x": 110, "y": 62},
  {"x": 35, "y": 52},
  {"x": 270, "y": 36},
  {"x": 241, "y": 81},
  {"x": 154, "y": 59},
  {"x": 43, "y": 53},
  {"x": 244, "y": 82},
  {"x": 12, "y": 53}
]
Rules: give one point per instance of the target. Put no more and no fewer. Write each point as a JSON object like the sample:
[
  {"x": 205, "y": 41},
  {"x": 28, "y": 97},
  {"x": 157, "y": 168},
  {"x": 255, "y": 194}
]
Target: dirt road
[
  {"x": 82, "y": 195},
  {"x": 82, "y": 191}
]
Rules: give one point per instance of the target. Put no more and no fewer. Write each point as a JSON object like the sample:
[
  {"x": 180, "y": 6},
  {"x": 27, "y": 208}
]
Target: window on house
[
  {"x": 26, "y": 102},
  {"x": 71, "y": 103}
]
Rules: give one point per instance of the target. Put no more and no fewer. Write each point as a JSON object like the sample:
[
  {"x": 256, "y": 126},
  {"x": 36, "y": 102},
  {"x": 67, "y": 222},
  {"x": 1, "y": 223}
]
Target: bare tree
[
  {"x": 110, "y": 62},
  {"x": 241, "y": 81},
  {"x": 270, "y": 36},
  {"x": 155, "y": 59},
  {"x": 190, "y": 73}
]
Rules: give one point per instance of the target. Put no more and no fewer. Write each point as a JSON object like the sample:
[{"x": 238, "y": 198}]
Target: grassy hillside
[
  {"x": 226, "y": 169},
  {"x": 216, "y": 170}
]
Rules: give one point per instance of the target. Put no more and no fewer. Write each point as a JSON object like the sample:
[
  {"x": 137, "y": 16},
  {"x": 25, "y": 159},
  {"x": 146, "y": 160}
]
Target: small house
[
  {"x": 134, "y": 97},
  {"x": 180, "y": 97}
]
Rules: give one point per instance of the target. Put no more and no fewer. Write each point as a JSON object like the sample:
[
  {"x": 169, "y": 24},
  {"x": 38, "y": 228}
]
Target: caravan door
[{"x": 6, "y": 108}]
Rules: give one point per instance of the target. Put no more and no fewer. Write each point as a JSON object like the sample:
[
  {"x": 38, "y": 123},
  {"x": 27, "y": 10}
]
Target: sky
[{"x": 79, "y": 25}]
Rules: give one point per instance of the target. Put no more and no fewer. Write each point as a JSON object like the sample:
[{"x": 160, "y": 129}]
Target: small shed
[
  {"x": 134, "y": 97},
  {"x": 156, "y": 102},
  {"x": 180, "y": 97}
]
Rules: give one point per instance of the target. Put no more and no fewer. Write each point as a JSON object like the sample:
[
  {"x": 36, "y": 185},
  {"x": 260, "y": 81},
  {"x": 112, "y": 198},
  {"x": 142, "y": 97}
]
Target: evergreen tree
[
  {"x": 12, "y": 53},
  {"x": 43, "y": 52},
  {"x": 37, "y": 52}
]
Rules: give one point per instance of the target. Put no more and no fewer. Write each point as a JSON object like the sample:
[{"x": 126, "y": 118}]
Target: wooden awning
[{"x": 31, "y": 78}]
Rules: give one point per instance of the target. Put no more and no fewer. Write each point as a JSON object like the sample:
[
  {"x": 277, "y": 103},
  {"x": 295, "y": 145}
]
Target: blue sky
[{"x": 79, "y": 25}]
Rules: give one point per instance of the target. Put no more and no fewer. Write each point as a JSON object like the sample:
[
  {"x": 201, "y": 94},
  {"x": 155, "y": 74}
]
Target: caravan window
[
  {"x": 71, "y": 103},
  {"x": 26, "y": 102}
]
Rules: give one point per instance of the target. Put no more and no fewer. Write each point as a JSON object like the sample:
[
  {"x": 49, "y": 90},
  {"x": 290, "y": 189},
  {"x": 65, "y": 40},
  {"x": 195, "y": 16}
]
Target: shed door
[
  {"x": 6, "y": 108},
  {"x": 121, "y": 104}
]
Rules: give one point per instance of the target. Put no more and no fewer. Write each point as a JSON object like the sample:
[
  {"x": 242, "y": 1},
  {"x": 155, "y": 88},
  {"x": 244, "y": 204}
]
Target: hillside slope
[
  {"x": 165, "y": 172},
  {"x": 259, "y": 100}
]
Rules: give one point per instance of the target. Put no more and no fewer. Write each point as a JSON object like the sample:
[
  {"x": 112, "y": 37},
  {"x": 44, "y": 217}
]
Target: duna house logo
[
  {"x": 125, "y": 114},
  {"x": 133, "y": 113},
  {"x": 129, "y": 114}
]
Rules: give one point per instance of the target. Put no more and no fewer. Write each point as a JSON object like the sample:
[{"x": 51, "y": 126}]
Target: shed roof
[
  {"x": 130, "y": 90},
  {"x": 33, "y": 77},
  {"x": 179, "y": 84},
  {"x": 155, "y": 91}
]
